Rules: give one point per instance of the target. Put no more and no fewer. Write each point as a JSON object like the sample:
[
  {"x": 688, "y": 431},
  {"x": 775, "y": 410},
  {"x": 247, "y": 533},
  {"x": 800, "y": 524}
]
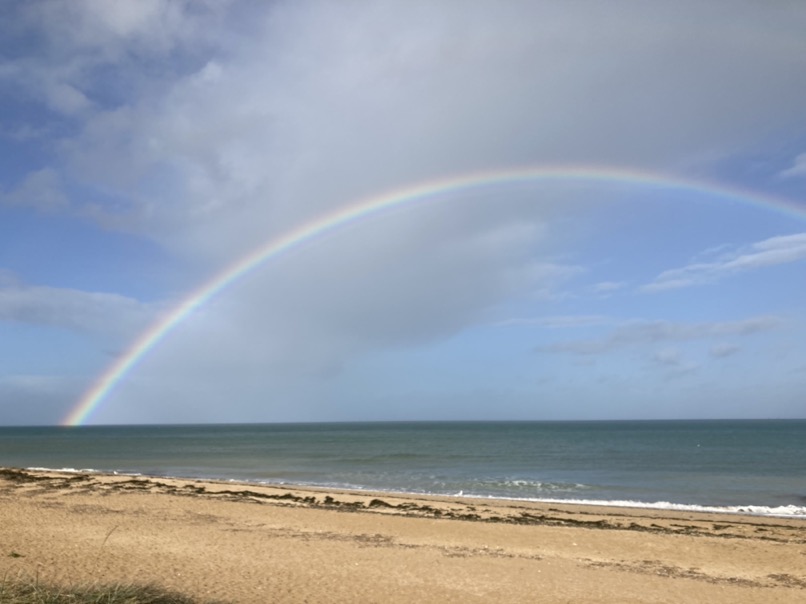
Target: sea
[{"x": 746, "y": 466}]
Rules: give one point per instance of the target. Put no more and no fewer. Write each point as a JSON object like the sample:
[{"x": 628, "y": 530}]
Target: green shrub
[{"x": 32, "y": 592}]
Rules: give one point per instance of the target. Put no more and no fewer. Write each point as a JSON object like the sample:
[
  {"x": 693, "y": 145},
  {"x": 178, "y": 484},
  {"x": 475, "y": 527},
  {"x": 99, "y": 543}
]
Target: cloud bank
[
  {"x": 97, "y": 313},
  {"x": 207, "y": 128}
]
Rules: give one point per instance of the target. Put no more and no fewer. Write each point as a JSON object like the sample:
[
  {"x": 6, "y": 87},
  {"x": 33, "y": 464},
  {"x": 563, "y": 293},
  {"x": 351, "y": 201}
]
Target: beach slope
[{"x": 237, "y": 542}]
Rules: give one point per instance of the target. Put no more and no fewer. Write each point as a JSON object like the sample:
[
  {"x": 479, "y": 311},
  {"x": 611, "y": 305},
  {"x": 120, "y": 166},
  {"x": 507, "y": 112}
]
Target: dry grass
[{"x": 33, "y": 592}]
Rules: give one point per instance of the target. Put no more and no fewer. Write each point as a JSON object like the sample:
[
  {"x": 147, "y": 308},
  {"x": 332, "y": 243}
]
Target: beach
[{"x": 241, "y": 542}]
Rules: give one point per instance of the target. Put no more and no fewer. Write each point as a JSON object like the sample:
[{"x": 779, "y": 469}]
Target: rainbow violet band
[{"x": 427, "y": 192}]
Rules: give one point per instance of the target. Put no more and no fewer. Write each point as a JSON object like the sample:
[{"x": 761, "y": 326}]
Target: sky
[{"x": 148, "y": 147}]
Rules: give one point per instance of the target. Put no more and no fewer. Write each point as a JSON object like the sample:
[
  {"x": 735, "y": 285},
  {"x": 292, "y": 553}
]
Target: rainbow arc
[{"x": 365, "y": 209}]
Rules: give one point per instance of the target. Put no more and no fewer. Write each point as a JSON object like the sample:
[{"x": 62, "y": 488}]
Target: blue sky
[{"x": 149, "y": 145}]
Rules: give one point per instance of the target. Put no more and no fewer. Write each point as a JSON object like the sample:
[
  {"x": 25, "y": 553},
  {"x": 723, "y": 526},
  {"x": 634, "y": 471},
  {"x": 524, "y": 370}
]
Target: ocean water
[{"x": 743, "y": 466}]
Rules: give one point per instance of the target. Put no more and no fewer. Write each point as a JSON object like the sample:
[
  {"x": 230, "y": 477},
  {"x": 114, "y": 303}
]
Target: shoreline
[
  {"x": 368, "y": 500},
  {"x": 244, "y": 542},
  {"x": 793, "y": 511}
]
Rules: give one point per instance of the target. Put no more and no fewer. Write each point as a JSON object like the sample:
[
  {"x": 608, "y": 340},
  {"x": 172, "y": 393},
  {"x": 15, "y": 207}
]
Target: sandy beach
[{"x": 236, "y": 542}]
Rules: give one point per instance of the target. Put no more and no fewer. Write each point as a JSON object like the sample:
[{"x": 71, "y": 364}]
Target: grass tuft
[{"x": 33, "y": 592}]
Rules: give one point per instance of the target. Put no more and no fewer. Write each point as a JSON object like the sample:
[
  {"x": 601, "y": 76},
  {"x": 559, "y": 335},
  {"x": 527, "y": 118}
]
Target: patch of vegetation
[{"x": 33, "y": 592}]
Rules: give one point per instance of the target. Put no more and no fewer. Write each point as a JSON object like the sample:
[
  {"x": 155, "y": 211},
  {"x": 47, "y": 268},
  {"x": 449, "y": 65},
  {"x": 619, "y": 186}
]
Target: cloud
[
  {"x": 668, "y": 356},
  {"x": 782, "y": 249},
  {"x": 634, "y": 333},
  {"x": 797, "y": 169},
  {"x": 65, "y": 98},
  {"x": 245, "y": 103},
  {"x": 94, "y": 51},
  {"x": 720, "y": 351},
  {"x": 315, "y": 104},
  {"x": 212, "y": 127},
  {"x": 97, "y": 32},
  {"x": 210, "y": 119},
  {"x": 41, "y": 190},
  {"x": 101, "y": 314},
  {"x": 557, "y": 321},
  {"x": 673, "y": 361},
  {"x": 608, "y": 287}
]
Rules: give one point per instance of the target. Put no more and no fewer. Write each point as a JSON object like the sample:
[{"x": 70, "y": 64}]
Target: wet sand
[{"x": 237, "y": 542}]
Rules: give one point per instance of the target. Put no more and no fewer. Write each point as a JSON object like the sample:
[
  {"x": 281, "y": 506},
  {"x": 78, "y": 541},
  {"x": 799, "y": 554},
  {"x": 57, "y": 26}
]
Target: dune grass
[{"x": 33, "y": 592}]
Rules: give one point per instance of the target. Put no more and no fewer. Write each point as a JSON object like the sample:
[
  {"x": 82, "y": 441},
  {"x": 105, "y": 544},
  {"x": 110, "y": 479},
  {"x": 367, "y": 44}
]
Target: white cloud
[
  {"x": 65, "y": 98},
  {"x": 211, "y": 127},
  {"x": 770, "y": 252},
  {"x": 634, "y": 333},
  {"x": 124, "y": 18},
  {"x": 668, "y": 356},
  {"x": 673, "y": 362},
  {"x": 109, "y": 30},
  {"x": 102, "y": 314},
  {"x": 286, "y": 111},
  {"x": 557, "y": 321},
  {"x": 94, "y": 51},
  {"x": 722, "y": 350},
  {"x": 608, "y": 287},
  {"x": 41, "y": 189},
  {"x": 315, "y": 103},
  {"x": 797, "y": 169}
]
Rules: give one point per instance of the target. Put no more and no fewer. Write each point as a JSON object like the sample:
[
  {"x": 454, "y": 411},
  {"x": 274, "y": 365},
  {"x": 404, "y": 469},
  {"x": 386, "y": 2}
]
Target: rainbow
[{"x": 372, "y": 207}]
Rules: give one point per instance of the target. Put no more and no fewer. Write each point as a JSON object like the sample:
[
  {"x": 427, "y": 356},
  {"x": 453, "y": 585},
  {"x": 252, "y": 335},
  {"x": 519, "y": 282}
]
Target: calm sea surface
[{"x": 749, "y": 466}]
